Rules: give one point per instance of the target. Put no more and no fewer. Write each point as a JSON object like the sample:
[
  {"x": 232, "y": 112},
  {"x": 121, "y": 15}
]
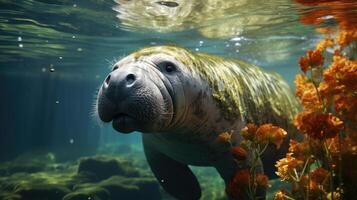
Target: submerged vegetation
[
  {"x": 322, "y": 165},
  {"x": 250, "y": 181},
  {"x": 40, "y": 176},
  {"x": 118, "y": 171}
]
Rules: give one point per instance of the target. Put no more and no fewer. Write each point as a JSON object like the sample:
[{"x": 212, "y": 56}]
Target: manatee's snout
[
  {"x": 121, "y": 83},
  {"x": 134, "y": 99}
]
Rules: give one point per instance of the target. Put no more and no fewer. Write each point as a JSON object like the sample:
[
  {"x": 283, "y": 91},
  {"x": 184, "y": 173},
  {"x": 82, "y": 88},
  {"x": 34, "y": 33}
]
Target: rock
[
  {"x": 30, "y": 162},
  {"x": 95, "y": 178},
  {"x": 104, "y": 167},
  {"x": 92, "y": 193},
  {"x": 83, "y": 177},
  {"x": 36, "y": 186},
  {"x": 37, "y": 157},
  {"x": 119, "y": 188},
  {"x": 132, "y": 188},
  {"x": 11, "y": 168},
  {"x": 42, "y": 191},
  {"x": 9, "y": 196}
]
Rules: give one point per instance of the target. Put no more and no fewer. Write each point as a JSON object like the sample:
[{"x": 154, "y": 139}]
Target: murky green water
[{"x": 55, "y": 54}]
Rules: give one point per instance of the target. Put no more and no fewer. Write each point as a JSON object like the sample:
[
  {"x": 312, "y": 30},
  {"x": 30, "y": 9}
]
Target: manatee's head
[{"x": 145, "y": 91}]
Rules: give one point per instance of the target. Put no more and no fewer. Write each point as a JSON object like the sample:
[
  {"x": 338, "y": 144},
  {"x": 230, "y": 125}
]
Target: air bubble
[{"x": 201, "y": 43}]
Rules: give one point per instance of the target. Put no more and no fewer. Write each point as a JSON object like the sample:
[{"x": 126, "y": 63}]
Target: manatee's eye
[
  {"x": 115, "y": 67},
  {"x": 169, "y": 67}
]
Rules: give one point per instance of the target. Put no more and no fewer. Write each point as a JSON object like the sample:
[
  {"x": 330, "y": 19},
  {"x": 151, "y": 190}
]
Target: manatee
[{"x": 182, "y": 100}]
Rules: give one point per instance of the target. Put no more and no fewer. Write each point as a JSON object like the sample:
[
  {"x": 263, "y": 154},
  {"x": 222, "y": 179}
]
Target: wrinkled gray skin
[{"x": 177, "y": 115}]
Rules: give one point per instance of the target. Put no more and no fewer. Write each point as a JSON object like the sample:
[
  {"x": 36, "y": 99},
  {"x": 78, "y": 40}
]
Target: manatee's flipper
[
  {"x": 227, "y": 167},
  {"x": 176, "y": 178}
]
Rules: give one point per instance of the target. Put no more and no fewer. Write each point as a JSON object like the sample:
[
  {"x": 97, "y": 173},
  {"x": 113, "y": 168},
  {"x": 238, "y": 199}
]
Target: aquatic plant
[
  {"x": 249, "y": 181},
  {"x": 323, "y": 165}
]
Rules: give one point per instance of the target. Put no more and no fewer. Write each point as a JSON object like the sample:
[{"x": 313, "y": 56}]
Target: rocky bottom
[{"x": 117, "y": 172}]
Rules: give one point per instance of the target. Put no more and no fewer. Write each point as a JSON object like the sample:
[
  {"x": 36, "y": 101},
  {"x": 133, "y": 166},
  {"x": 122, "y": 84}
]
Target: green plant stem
[
  {"x": 340, "y": 160},
  {"x": 262, "y": 151},
  {"x": 289, "y": 198},
  {"x": 315, "y": 83},
  {"x": 308, "y": 182},
  {"x": 330, "y": 169}
]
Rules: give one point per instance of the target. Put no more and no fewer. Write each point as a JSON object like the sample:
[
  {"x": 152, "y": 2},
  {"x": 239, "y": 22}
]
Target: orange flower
[
  {"x": 304, "y": 64},
  {"x": 339, "y": 10},
  {"x": 262, "y": 181},
  {"x": 248, "y": 132},
  {"x": 239, "y": 184},
  {"x": 318, "y": 125},
  {"x": 324, "y": 30},
  {"x": 224, "y": 137},
  {"x": 320, "y": 176},
  {"x": 282, "y": 194},
  {"x": 278, "y": 136},
  {"x": 341, "y": 76},
  {"x": 323, "y": 44},
  {"x": 346, "y": 106},
  {"x": 264, "y": 133},
  {"x": 316, "y": 189},
  {"x": 267, "y": 133},
  {"x": 307, "y": 93},
  {"x": 286, "y": 167},
  {"x": 313, "y": 59},
  {"x": 336, "y": 195},
  {"x": 340, "y": 86},
  {"x": 239, "y": 153},
  {"x": 346, "y": 37},
  {"x": 301, "y": 150}
]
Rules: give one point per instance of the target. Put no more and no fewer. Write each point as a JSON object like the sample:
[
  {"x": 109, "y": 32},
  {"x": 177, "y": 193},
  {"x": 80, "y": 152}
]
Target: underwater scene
[{"x": 178, "y": 99}]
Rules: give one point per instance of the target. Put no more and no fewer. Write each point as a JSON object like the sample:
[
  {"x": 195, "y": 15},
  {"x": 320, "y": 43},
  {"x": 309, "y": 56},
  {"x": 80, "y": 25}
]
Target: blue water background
[{"x": 55, "y": 54}]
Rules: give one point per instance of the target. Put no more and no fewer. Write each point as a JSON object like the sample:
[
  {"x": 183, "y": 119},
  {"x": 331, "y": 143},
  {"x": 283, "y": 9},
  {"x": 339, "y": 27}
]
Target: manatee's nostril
[
  {"x": 130, "y": 78},
  {"x": 107, "y": 80}
]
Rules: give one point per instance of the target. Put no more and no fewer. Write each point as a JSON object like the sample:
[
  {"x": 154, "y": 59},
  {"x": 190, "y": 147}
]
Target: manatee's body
[{"x": 182, "y": 101}]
